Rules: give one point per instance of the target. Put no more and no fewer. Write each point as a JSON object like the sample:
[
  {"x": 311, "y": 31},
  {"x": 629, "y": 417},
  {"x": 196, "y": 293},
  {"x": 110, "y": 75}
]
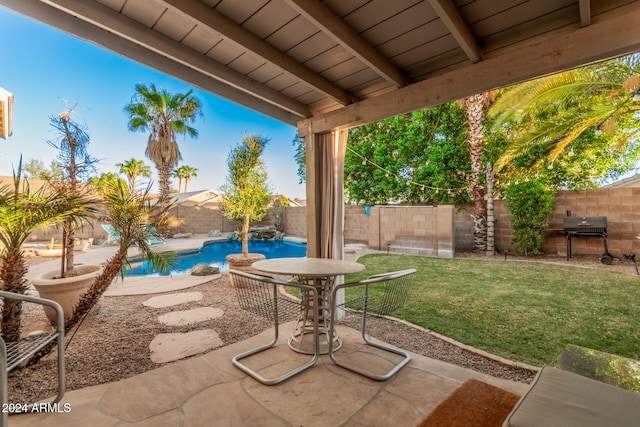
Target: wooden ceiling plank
[
  {"x": 459, "y": 30},
  {"x": 585, "y": 12},
  {"x": 323, "y": 18},
  {"x": 612, "y": 35},
  {"x": 108, "y": 40},
  {"x": 218, "y": 23},
  {"x": 105, "y": 18}
]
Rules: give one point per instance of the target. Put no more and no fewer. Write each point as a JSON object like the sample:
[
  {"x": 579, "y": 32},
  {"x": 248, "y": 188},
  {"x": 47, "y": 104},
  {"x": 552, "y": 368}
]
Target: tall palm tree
[
  {"x": 133, "y": 169},
  {"x": 188, "y": 172},
  {"x": 164, "y": 116},
  {"x": 177, "y": 174},
  {"x": 546, "y": 116},
  {"x": 22, "y": 211},
  {"x": 474, "y": 110}
]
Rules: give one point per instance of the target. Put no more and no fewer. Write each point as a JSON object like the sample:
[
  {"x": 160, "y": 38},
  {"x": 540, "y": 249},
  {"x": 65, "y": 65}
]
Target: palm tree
[
  {"x": 164, "y": 116},
  {"x": 133, "y": 217},
  {"x": 546, "y": 116},
  {"x": 133, "y": 169},
  {"x": 474, "y": 110},
  {"x": 76, "y": 165},
  {"x": 176, "y": 173},
  {"x": 22, "y": 211},
  {"x": 188, "y": 172}
]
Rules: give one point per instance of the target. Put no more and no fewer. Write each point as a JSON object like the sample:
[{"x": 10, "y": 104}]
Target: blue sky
[{"x": 48, "y": 70}]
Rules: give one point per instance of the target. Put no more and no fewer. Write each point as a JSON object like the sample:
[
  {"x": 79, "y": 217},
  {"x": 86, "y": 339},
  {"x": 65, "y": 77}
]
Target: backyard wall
[{"x": 438, "y": 231}]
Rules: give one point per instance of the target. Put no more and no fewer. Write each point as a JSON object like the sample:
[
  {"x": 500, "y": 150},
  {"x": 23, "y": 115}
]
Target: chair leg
[
  {"x": 406, "y": 357},
  {"x": 273, "y": 381}
]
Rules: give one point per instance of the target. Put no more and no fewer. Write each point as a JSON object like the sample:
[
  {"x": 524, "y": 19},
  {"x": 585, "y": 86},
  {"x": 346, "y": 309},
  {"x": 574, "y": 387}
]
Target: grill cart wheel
[{"x": 606, "y": 259}]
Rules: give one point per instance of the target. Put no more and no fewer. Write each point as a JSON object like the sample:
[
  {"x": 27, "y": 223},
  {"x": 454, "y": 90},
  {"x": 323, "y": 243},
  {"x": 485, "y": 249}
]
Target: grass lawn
[{"x": 524, "y": 311}]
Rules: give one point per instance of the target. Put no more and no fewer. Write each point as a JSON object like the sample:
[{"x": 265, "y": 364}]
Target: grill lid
[{"x": 585, "y": 224}]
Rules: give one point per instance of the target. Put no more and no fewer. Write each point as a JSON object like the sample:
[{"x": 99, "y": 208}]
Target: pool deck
[{"x": 135, "y": 285}]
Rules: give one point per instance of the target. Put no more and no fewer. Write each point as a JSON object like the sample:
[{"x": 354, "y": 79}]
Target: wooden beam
[
  {"x": 323, "y": 18},
  {"x": 102, "y": 17},
  {"x": 613, "y": 34},
  {"x": 215, "y": 22},
  {"x": 104, "y": 39},
  {"x": 585, "y": 12},
  {"x": 453, "y": 21}
]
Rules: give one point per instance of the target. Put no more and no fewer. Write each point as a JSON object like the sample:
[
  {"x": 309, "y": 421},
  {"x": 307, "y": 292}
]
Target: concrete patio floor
[{"x": 208, "y": 390}]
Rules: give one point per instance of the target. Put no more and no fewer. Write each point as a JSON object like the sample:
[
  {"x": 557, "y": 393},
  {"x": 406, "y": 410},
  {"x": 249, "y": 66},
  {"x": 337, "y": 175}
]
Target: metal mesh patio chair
[
  {"x": 259, "y": 295},
  {"x": 13, "y": 354},
  {"x": 392, "y": 296}
]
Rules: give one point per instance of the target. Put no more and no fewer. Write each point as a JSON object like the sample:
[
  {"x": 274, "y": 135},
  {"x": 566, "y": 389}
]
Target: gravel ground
[{"x": 113, "y": 342}]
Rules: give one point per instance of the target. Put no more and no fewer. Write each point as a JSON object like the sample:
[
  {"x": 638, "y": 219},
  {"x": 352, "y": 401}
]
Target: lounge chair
[
  {"x": 112, "y": 236},
  {"x": 152, "y": 236}
]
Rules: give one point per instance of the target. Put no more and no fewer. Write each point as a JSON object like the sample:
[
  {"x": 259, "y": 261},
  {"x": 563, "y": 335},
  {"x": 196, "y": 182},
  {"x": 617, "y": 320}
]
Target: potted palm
[
  {"x": 66, "y": 284},
  {"x": 246, "y": 193},
  {"x": 22, "y": 211},
  {"x": 134, "y": 216}
]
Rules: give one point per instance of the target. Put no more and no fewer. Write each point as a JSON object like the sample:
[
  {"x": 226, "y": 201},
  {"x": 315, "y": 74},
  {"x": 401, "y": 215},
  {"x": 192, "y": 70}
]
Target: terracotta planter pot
[
  {"x": 239, "y": 262},
  {"x": 67, "y": 291}
]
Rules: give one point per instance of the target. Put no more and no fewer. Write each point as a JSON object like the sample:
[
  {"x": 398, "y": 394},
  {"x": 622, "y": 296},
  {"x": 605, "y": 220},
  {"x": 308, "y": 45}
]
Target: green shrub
[{"x": 530, "y": 202}]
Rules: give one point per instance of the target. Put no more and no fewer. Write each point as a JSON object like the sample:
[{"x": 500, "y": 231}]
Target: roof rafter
[
  {"x": 585, "y": 12},
  {"x": 458, "y": 28},
  {"x": 606, "y": 39},
  {"x": 215, "y": 22},
  {"x": 113, "y": 42},
  {"x": 105, "y": 18},
  {"x": 318, "y": 14}
]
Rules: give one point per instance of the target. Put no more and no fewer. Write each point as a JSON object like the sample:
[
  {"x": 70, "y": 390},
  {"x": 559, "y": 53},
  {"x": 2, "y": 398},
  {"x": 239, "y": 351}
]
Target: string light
[{"x": 408, "y": 181}]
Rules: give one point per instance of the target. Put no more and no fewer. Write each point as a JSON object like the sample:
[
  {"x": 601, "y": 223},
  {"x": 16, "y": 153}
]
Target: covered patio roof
[{"x": 326, "y": 66}]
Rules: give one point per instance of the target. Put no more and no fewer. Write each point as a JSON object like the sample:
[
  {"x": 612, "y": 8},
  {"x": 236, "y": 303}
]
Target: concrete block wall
[
  {"x": 356, "y": 224},
  {"x": 429, "y": 230},
  {"x": 419, "y": 230},
  {"x": 295, "y": 223}
]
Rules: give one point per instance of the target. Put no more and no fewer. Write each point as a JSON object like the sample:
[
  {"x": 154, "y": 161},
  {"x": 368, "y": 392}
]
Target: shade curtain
[{"x": 325, "y": 191}]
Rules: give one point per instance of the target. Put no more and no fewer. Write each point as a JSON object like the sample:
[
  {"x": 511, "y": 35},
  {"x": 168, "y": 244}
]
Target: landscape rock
[{"x": 202, "y": 269}]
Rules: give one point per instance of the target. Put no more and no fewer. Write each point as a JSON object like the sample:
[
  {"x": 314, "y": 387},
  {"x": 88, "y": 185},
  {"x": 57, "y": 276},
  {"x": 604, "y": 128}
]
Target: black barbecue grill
[{"x": 585, "y": 226}]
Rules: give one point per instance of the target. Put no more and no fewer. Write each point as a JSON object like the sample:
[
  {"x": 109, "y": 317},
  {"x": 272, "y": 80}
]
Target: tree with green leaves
[
  {"x": 577, "y": 126},
  {"x": 530, "y": 201},
  {"x": 420, "y": 157},
  {"x": 132, "y": 169},
  {"x": 104, "y": 181},
  {"x": 22, "y": 211},
  {"x": 246, "y": 191},
  {"x": 35, "y": 169},
  {"x": 164, "y": 116}
]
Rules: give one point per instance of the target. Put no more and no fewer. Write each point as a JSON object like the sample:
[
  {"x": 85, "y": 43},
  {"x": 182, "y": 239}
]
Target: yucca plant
[{"x": 22, "y": 211}]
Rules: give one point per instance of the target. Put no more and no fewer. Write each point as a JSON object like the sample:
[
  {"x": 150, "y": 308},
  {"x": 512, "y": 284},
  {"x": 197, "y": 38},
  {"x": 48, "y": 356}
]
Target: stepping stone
[
  {"x": 169, "y": 347},
  {"x": 187, "y": 317},
  {"x": 172, "y": 299}
]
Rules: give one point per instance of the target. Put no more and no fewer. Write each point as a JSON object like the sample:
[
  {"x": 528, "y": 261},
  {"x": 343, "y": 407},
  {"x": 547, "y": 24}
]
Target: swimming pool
[{"x": 215, "y": 253}]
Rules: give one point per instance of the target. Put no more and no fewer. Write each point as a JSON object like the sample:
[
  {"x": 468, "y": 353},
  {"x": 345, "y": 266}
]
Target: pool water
[{"x": 215, "y": 253}]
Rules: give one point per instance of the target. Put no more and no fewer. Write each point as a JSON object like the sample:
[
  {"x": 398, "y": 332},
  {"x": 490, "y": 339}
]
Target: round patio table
[{"x": 321, "y": 273}]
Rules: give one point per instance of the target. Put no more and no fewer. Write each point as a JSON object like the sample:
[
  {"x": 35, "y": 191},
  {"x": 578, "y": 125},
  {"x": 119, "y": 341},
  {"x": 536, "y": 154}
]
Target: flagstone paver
[
  {"x": 188, "y": 317},
  {"x": 169, "y": 347},
  {"x": 169, "y": 300}
]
